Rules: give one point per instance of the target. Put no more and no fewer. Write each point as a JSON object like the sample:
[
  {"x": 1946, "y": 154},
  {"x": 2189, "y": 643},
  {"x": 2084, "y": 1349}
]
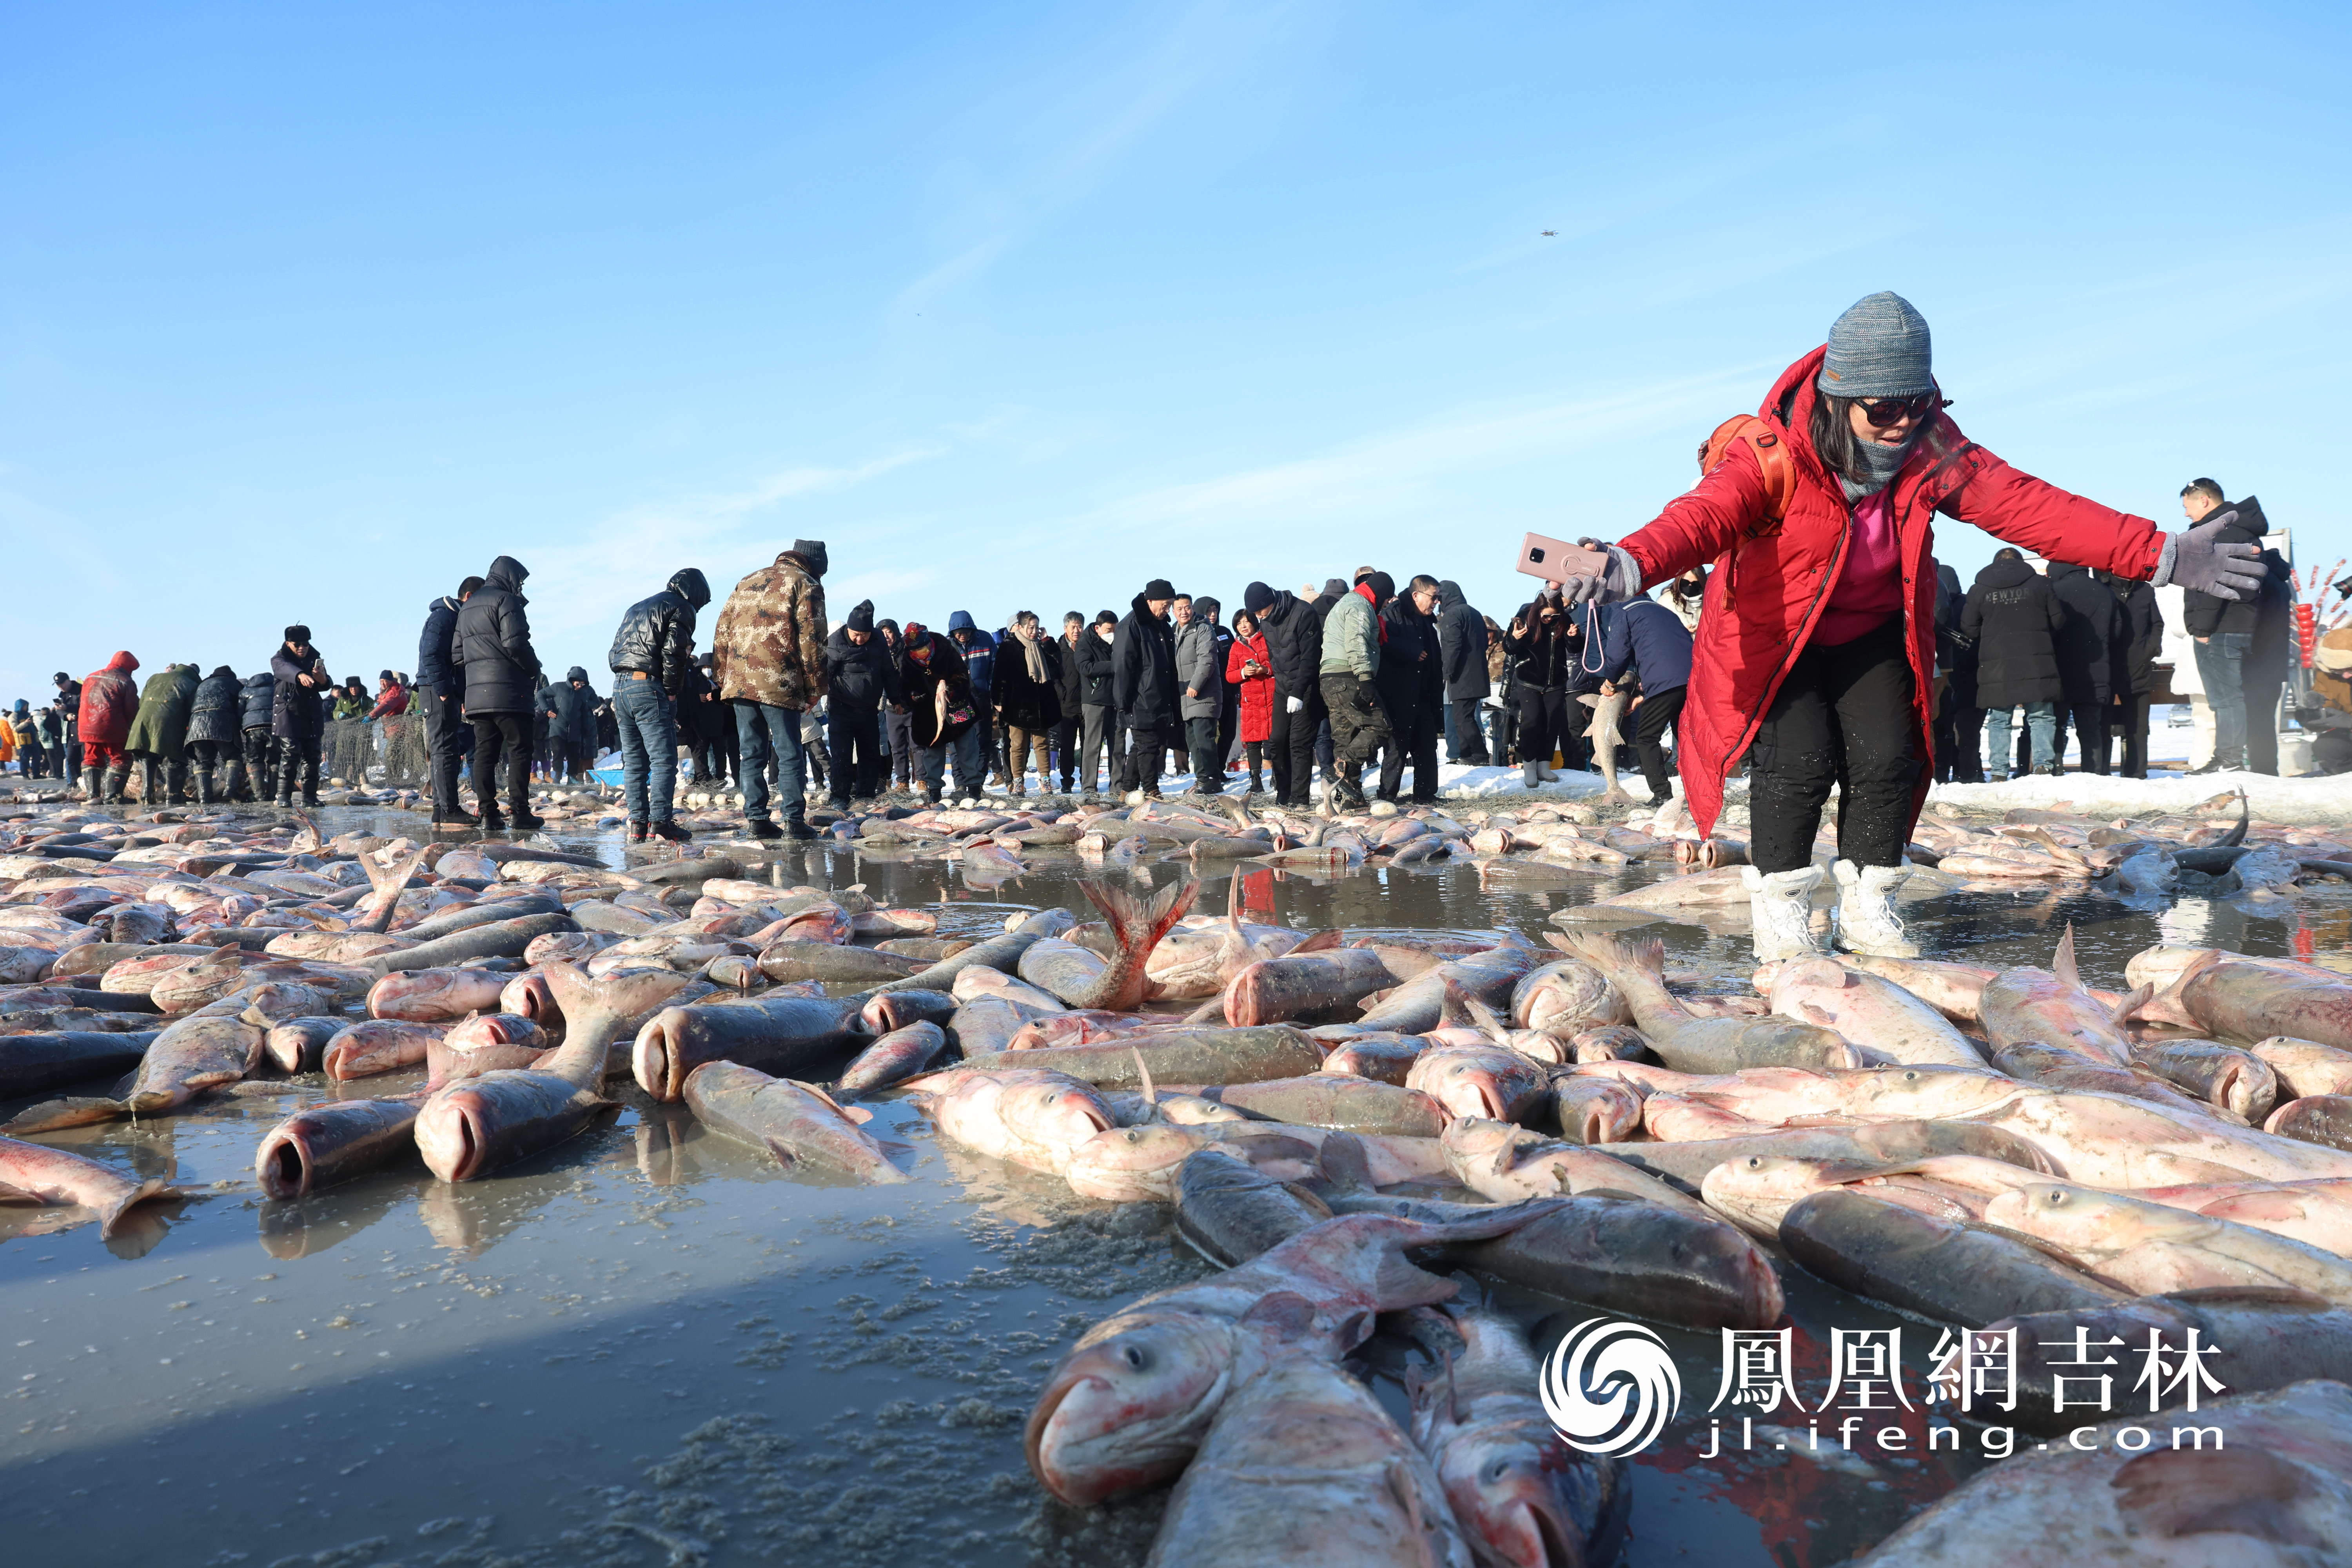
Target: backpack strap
[{"x": 1771, "y": 456}]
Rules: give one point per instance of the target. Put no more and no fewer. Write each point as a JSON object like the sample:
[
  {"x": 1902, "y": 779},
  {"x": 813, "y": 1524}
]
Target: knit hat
[
  {"x": 1879, "y": 348},
  {"x": 861, "y": 618},
  {"x": 1256, "y": 597},
  {"x": 812, "y": 552},
  {"x": 1384, "y": 587},
  {"x": 1335, "y": 588},
  {"x": 1158, "y": 588}
]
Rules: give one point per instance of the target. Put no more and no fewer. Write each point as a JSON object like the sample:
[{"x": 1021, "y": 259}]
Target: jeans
[
  {"x": 2041, "y": 722},
  {"x": 857, "y": 739},
  {"x": 2221, "y": 665},
  {"x": 972, "y": 753},
  {"x": 770, "y": 734},
  {"x": 648, "y": 748},
  {"x": 496, "y": 736}
]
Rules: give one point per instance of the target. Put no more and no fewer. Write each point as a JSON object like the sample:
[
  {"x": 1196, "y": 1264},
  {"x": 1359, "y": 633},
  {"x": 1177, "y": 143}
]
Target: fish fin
[
  {"x": 1151, "y": 1096},
  {"x": 71, "y": 1111},
  {"x": 111, "y": 1215},
  {"x": 853, "y": 1112},
  {"x": 1490, "y": 1024},
  {"x": 1452, "y": 1010},
  {"x": 2133, "y": 1000},
  {"x": 9, "y": 1194},
  {"x": 1814, "y": 1015},
  {"x": 1326, "y": 941},
  {"x": 1287, "y": 1312},
  {"x": 2062, "y": 966}
]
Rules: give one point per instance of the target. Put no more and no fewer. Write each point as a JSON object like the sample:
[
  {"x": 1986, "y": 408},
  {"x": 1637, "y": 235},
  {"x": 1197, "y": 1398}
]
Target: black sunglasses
[{"x": 1883, "y": 412}]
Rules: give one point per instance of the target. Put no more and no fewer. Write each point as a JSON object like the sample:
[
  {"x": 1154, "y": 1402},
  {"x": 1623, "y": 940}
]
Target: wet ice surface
[{"x": 652, "y": 1346}]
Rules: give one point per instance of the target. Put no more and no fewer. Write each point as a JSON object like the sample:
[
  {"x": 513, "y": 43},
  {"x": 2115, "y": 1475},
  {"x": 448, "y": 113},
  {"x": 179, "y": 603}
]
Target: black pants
[
  {"x": 1360, "y": 726},
  {"x": 1291, "y": 744},
  {"x": 297, "y": 763},
  {"x": 1413, "y": 740},
  {"x": 1844, "y": 716},
  {"x": 1208, "y": 764},
  {"x": 1968, "y": 745},
  {"x": 1146, "y": 748},
  {"x": 1469, "y": 741},
  {"x": 1066, "y": 740},
  {"x": 2129, "y": 723},
  {"x": 438, "y": 704},
  {"x": 1658, "y": 709},
  {"x": 502, "y": 737},
  {"x": 857, "y": 742},
  {"x": 1947, "y": 745},
  {"x": 1256, "y": 751},
  {"x": 2090, "y": 722},
  {"x": 1543, "y": 724},
  {"x": 209, "y": 754},
  {"x": 2262, "y": 727},
  {"x": 261, "y": 762}
]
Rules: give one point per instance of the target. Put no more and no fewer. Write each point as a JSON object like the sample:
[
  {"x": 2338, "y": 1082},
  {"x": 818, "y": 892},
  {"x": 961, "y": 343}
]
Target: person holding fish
[{"x": 1815, "y": 654}]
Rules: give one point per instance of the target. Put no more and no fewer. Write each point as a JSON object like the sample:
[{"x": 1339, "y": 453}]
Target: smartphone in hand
[{"x": 1556, "y": 560}]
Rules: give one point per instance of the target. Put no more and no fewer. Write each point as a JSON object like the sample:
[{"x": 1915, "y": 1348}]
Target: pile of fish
[{"x": 1349, "y": 1127}]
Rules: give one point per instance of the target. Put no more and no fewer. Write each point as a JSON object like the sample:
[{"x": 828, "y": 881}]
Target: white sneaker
[
  {"x": 1783, "y": 906},
  {"x": 1866, "y": 913}
]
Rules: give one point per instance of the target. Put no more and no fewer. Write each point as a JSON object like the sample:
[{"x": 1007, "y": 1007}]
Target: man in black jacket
[
  {"x": 571, "y": 724},
  {"x": 860, "y": 677},
  {"x": 2085, "y": 648},
  {"x": 2224, "y": 628},
  {"x": 441, "y": 698},
  {"x": 1143, "y": 684},
  {"x": 2139, "y": 637},
  {"x": 1070, "y": 693},
  {"x": 298, "y": 713},
  {"x": 1294, "y": 641},
  {"x": 1462, "y": 655},
  {"x": 652, "y": 663},
  {"x": 1409, "y": 650},
  {"x": 1102, "y": 735},
  {"x": 214, "y": 736},
  {"x": 492, "y": 648},
  {"x": 2013, "y": 618}
]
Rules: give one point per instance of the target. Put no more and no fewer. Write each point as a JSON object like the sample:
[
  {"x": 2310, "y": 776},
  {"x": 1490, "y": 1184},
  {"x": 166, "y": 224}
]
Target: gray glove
[
  {"x": 2195, "y": 559},
  {"x": 1622, "y": 581}
]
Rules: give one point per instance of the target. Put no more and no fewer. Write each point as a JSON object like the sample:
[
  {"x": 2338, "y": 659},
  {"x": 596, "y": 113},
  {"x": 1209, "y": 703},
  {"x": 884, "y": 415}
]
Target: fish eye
[
  {"x": 1498, "y": 1469},
  {"x": 1134, "y": 1357},
  {"x": 1755, "y": 1163}
]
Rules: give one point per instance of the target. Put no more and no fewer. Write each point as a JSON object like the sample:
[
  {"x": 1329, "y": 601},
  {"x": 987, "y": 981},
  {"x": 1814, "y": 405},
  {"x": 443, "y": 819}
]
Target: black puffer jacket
[
  {"x": 1143, "y": 668},
  {"x": 1094, "y": 670},
  {"x": 2205, "y": 614},
  {"x": 657, "y": 635},
  {"x": 859, "y": 679},
  {"x": 2085, "y": 642},
  {"x": 1462, "y": 645},
  {"x": 299, "y": 712},
  {"x": 259, "y": 694},
  {"x": 2139, "y": 636},
  {"x": 1293, "y": 640},
  {"x": 492, "y": 648},
  {"x": 574, "y": 708},
  {"x": 218, "y": 712},
  {"x": 2014, "y": 619},
  {"x": 433, "y": 666}
]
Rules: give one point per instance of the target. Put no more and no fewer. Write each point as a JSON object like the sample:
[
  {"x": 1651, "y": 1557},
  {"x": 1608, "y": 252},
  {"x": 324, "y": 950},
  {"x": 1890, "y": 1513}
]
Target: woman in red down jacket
[
  {"x": 1814, "y": 655},
  {"x": 1249, "y": 666},
  {"x": 109, "y": 700}
]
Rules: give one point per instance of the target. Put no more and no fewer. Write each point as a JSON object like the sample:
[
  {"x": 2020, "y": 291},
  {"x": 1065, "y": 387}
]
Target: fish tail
[{"x": 111, "y": 1215}]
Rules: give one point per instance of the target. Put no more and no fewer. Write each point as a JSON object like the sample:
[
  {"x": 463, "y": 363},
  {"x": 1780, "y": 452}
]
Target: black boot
[
  {"x": 175, "y": 784},
  {"x": 117, "y": 779},
  {"x": 205, "y": 795},
  {"x": 93, "y": 785},
  {"x": 151, "y": 781}
]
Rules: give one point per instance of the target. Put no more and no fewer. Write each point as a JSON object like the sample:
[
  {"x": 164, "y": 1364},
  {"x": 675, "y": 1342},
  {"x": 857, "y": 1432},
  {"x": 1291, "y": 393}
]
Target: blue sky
[{"x": 307, "y": 312}]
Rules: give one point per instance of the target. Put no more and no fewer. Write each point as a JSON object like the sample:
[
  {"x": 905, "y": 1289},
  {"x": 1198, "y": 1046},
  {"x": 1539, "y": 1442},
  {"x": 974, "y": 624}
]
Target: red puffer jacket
[
  {"x": 109, "y": 700},
  {"x": 1772, "y": 579},
  {"x": 1257, "y": 690}
]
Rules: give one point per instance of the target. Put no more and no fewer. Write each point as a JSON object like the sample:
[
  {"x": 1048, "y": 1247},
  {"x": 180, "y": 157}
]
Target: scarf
[
  {"x": 1880, "y": 464},
  {"x": 1034, "y": 655}
]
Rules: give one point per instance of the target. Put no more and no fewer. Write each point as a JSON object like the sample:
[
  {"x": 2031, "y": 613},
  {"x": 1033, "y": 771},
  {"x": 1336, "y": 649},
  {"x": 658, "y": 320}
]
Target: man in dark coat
[
  {"x": 440, "y": 695},
  {"x": 861, "y": 676},
  {"x": 298, "y": 713},
  {"x": 491, "y": 648},
  {"x": 1409, "y": 649},
  {"x": 2131, "y": 665},
  {"x": 1143, "y": 684},
  {"x": 1959, "y": 722},
  {"x": 1462, "y": 655},
  {"x": 215, "y": 737},
  {"x": 1102, "y": 734},
  {"x": 158, "y": 734},
  {"x": 571, "y": 724},
  {"x": 68, "y": 705},
  {"x": 1070, "y": 692},
  {"x": 2013, "y": 618},
  {"x": 2267, "y": 660},
  {"x": 2084, "y": 647},
  {"x": 1294, "y": 641},
  {"x": 2224, "y": 628},
  {"x": 259, "y": 695},
  {"x": 652, "y": 661}
]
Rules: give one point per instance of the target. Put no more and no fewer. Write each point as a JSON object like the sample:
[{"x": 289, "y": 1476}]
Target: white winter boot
[
  {"x": 1782, "y": 904},
  {"x": 1866, "y": 914}
]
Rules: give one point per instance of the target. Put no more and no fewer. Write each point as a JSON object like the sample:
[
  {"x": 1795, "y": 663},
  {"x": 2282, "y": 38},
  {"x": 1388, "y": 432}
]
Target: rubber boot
[
  {"x": 93, "y": 785},
  {"x": 1781, "y": 903},
  {"x": 205, "y": 795},
  {"x": 234, "y": 784},
  {"x": 175, "y": 784},
  {"x": 1866, "y": 914},
  {"x": 1531, "y": 775},
  {"x": 117, "y": 779},
  {"x": 151, "y": 781}
]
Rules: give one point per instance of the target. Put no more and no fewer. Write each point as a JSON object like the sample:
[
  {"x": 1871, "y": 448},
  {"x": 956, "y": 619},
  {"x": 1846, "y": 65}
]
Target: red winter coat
[
  {"x": 1257, "y": 690},
  {"x": 109, "y": 700},
  {"x": 1771, "y": 581}
]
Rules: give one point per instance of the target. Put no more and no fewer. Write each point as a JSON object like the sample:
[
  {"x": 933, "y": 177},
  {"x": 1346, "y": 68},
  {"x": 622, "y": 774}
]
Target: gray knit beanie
[{"x": 1879, "y": 348}]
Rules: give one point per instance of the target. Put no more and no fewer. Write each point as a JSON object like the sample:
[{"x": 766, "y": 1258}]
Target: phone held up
[{"x": 1556, "y": 560}]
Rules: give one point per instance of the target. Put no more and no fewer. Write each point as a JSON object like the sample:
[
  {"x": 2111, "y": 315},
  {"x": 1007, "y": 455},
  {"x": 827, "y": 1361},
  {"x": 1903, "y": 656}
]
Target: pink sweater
[{"x": 1870, "y": 588}]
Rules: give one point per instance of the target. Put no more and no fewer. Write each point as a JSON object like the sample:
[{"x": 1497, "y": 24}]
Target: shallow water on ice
[{"x": 651, "y": 1346}]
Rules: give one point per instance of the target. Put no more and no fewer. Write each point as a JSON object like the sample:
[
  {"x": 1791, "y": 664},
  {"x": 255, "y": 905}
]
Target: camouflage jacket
[{"x": 769, "y": 645}]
